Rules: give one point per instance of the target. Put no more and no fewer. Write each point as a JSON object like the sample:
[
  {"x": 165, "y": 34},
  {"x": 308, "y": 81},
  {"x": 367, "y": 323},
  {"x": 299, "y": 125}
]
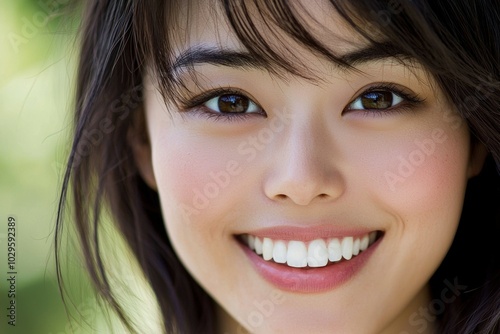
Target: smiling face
[{"x": 307, "y": 206}]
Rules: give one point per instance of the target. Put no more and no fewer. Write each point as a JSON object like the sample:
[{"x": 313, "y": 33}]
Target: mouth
[
  {"x": 308, "y": 262},
  {"x": 314, "y": 254}
]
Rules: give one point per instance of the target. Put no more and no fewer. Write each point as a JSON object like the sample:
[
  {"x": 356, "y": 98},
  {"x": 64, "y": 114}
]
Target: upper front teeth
[{"x": 315, "y": 253}]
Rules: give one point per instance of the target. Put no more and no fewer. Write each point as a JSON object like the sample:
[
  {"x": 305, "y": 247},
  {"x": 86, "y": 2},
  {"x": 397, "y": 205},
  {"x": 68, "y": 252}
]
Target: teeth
[
  {"x": 279, "y": 252},
  {"x": 364, "y": 243},
  {"x": 315, "y": 253},
  {"x": 267, "y": 249},
  {"x": 251, "y": 242},
  {"x": 347, "y": 248},
  {"x": 355, "y": 247},
  {"x": 258, "y": 246},
  {"x": 334, "y": 250},
  {"x": 296, "y": 256}
]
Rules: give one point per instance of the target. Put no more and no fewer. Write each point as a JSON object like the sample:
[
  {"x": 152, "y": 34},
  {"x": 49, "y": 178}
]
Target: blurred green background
[
  {"x": 38, "y": 52},
  {"x": 37, "y": 56}
]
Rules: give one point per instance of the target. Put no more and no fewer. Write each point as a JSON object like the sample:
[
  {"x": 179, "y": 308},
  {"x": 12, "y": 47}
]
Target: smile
[
  {"x": 309, "y": 260},
  {"x": 315, "y": 253}
]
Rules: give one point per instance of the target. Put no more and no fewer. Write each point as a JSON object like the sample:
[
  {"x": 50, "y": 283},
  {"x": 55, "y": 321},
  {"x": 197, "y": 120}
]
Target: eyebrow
[{"x": 245, "y": 60}]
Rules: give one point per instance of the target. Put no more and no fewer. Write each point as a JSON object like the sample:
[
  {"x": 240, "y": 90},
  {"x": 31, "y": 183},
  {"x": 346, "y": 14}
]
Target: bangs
[
  {"x": 274, "y": 33},
  {"x": 265, "y": 28}
]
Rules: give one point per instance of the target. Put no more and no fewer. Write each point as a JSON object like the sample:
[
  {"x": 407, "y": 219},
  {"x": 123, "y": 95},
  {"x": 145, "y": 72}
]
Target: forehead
[{"x": 206, "y": 23}]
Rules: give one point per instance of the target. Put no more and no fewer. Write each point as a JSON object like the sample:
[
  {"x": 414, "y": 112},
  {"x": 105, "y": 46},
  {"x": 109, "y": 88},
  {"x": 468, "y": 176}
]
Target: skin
[{"x": 322, "y": 164}]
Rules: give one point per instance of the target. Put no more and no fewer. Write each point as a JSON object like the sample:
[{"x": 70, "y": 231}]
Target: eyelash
[
  {"x": 410, "y": 100},
  {"x": 196, "y": 104}
]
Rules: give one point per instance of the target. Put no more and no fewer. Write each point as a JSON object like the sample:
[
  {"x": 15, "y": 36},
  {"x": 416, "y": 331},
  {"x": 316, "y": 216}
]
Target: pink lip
[
  {"x": 309, "y": 280},
  {"x": 308, "y": 233}
]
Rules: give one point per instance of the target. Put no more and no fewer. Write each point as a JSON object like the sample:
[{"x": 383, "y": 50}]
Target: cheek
[
  {"x": 421, "y": 182},
  {"x": 182, "y": 168},
  {"x": 192, "y": 172},
  {"x": 196, "y": 178},
  {"x": 420, "y": 171},
  {"x": 432, "y": 176}
]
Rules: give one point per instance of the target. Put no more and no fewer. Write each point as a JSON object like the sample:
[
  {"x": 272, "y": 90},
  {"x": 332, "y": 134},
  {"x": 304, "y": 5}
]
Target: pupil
[
  {"x": 377, "y": 100},
  {"x": 233, "y": 103}
]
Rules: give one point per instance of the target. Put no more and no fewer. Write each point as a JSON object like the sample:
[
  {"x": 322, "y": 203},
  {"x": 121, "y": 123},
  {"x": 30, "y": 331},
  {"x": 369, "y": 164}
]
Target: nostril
[{"x": 283, "y": 197}]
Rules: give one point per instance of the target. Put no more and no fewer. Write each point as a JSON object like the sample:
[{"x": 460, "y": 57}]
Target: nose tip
[{"x": 305, "y": 187}]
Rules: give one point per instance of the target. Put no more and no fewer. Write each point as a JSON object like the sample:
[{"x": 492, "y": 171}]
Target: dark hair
[{"x": 458, "y": 42}]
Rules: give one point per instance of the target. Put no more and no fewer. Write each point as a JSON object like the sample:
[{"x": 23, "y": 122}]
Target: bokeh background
[
  {"x": 38, "y": 49},
  {"x": 36, "y": 68}
]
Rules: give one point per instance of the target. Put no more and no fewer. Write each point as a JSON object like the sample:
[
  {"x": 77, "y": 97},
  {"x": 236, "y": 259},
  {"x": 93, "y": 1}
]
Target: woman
[{"x": 320, "y": 167}]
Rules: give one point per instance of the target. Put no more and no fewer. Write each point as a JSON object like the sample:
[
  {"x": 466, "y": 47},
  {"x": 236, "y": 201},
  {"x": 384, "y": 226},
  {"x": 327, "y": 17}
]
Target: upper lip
[{"x": 309, "y": 233}]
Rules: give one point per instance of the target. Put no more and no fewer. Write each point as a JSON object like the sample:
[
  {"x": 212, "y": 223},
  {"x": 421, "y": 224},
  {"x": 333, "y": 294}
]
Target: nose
[{"x": 305, "y": 167}]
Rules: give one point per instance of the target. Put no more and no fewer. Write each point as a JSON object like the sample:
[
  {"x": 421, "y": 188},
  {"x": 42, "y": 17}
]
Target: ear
[
  {"x": 138, "y": 139},
  {"x": 478, "y": 154}
]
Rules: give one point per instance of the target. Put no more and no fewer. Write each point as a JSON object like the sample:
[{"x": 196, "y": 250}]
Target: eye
[
  {"x": 232, "y": 104},
  {"x": 376, "y": 100},
  {"x": 385, "y": 98}
]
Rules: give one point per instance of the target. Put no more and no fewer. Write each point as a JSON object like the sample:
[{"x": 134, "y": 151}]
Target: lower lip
[{"x": 309, "y": 280}]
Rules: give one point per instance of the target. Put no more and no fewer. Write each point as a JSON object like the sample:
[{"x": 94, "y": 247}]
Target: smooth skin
[{"x": 310, "y": 158}]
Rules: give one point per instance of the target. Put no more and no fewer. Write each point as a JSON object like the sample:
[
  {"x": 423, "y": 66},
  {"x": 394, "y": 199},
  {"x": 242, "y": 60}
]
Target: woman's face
[{"x": 370, "y": 162}]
